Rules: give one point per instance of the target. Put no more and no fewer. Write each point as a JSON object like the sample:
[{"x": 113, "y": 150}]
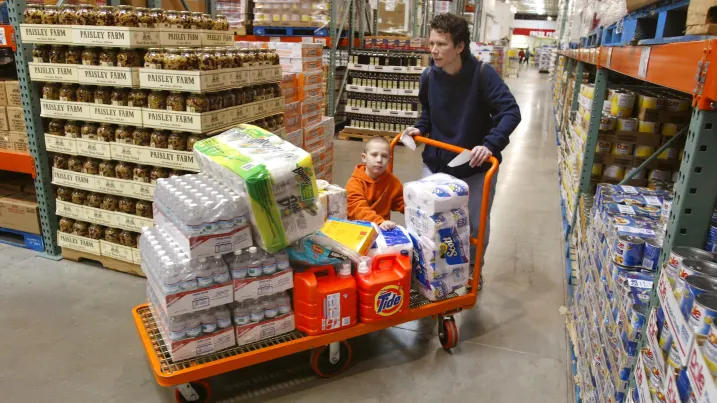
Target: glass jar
[
  {"x": 197, "y": 21},
  {"x": 86, "y": 14},
  {"x": 228, "y": 99},
  {"x": 128, "y": 239},
  {"x": 33, "y": 13},
  {"x": 67, "y": 225},
  {"x": 236, "y": 56},
  {"x": 56, "y": 127},
  {"x": 72, "y": 129},
  {"x": 80, "y": 228},
  {"x": 208, "y": 20},
  {"x": 173, "y": 20},
  {"x": 51, "y": 91},
  {"x": 174, "y": 60},
  {"x": 276, "y": 89},
  {"x": 126, "y": 16},
  {"x": 91, "y": 57},
  {"x": 224, "y": 59},
  {"x": 67, "y": 92},
  {"x": 67, "y": 15},
  {"x": 95, "y": 231},
  {"x": 110, "y": 203},
  {"x": 75, "y": 163},
  {"x": 123, "y": 134},
  {"x": 197, "y": 103},
  {"x": 84, "y": 93},
  {"x": 124, "y": 170},
  {"x": 143, "y": 208},
  {"x": 127, "y": 58},
  {"x": 41, "y": 54},
  {"x": 280, "y": 121},
  {"x": 73, "y": 55},
  {"x": 94, "y": 199},
  {"x": 146, "y": 19},
  {"x": 89, "y": 130},
  {"x": 160, "y": 19},
  {"x": 215, "y": 101},
  {"x": 106, "y": 132},
  {"x": 275, "y": 58},
  {"x": 176, "y": 102},
  {"x": 119, "y": 96},
  {"x": 113, "y": 235},
  {"x": 207, "y": 59},
  {"x": 157, "y": 173},
  {"x": 50, "y": 14},
  {"x": 142, "y": 136},
  {"x": 221, "y": 23},
  {"x": 106, "y": 16},
  {"x": 159, "y": 139},
  {"x": 137, "y": 98},
  {"x": 191, "y": 139},
  {"x": 107, "y": 169},
  {"x": 59, "y": 161},
  {"x": 91, "y": 166},
  {"x": 246, "y": 57},
  {"x": 157, "y": 100},
  {"x": 141, "y": 173},
  {"x": 127, "y": 205},
  {"x": 192, "y": 58},
  {"x": 154, "y": 58},
  {"x": 64, "y": 194},
  {"x": 177, "y": 141},
  {"x": 57, "y": 54},
  {"x": 176, "y": 172},
  {"x": 103, "y": 95},
  {"x": 186, "y": 19},
  {"x": 108, "y": 57},
  {"x": 239, "y": 96}
]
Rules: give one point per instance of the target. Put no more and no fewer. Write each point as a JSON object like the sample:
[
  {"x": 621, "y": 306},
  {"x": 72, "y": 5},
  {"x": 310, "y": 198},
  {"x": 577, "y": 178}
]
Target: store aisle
[{"x": 68, "y": 334}]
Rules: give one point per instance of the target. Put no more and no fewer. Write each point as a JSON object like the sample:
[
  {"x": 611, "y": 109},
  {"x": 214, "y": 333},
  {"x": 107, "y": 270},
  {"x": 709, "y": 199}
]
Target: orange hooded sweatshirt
[{"x": 373, "y": 199}]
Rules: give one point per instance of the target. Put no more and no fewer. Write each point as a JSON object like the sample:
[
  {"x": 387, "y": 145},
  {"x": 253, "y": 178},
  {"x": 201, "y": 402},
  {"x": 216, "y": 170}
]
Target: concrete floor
[{"x": 68, "y": 336}]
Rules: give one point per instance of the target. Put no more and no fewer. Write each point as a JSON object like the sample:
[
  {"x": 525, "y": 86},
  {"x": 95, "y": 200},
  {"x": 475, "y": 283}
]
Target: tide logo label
[{"x": 388, "y": 300}]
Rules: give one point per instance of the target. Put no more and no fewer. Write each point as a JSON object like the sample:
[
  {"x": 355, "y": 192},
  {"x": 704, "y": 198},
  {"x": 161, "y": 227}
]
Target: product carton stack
[
  {"x": 305, "y": 61},
  {"x": 13, "y": 135}
]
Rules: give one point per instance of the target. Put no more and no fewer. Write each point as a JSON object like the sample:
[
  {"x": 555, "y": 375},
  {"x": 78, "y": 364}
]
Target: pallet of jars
[
  {"x": 106, "y": 141},
  {"x": 123, "y": 26},
  {"x": 99, "y": 240},
  {"x": 197, "y": 113}
]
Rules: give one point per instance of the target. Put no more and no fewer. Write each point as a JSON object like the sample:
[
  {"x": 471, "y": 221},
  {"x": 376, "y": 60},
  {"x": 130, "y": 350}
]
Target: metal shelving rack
[{"x": 679, "y": 66}]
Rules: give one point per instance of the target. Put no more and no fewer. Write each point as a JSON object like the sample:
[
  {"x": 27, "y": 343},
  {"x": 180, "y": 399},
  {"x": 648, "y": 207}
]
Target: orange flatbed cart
[{"x": 331, "y": 352}]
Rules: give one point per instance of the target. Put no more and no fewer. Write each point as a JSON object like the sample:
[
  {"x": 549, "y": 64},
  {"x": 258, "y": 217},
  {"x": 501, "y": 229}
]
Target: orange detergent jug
[
  {"x": 384, "y": 288},
  {"x": 323, "y": 301}
]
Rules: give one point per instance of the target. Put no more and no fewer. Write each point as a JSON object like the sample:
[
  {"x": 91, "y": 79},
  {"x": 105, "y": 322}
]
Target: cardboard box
[
  {"x": 16, "y": 119},
  {"x": 312, "y": 118},
  {"x": 297, "y": 50},
  {"x": 189, "y": 301},
  {"x": 254, "y": 332},
  {"x": 5, "y": 141},
  {"x": 334, "y": 200},
  {"x": 633, "y": 5},
  {"x": 353, "y": 235},
  {"x": 255, "y": 287},
  {"x": 12, "y": 92},
  {"x": 295, "y": 137},
  {"x": 663, "y": 115},
  {"x": 4, "y": 124},
  {"x": 19, "y": 212},
  {"x": 3, "y": 94},
  {"x": 322, "y": 130},
  {"x": 310, "y": 78},
  {"x": 20, "y": 142},
  {"x": 312, "y": 104},
  {"x": 298, "y": 65}
]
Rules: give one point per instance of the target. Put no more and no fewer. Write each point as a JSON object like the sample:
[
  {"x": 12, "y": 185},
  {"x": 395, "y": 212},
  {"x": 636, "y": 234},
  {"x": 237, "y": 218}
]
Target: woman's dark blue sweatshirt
[{"x": 471, "y": 108}]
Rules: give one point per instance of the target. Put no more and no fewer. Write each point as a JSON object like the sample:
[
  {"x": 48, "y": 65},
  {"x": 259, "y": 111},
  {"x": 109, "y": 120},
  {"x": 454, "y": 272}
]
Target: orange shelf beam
[
  {"x": 17, "y": 162},
  {"x": 672, "y": 65},
  {"x": 325, "y": 40}
]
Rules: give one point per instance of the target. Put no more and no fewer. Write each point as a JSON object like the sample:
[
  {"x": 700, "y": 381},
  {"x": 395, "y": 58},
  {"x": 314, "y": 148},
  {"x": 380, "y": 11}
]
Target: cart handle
[{"x": 478, "y": 242}]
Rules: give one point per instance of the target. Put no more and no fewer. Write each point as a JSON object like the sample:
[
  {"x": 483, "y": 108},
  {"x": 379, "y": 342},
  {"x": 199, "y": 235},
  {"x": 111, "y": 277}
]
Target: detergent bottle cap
[
  {"x": 345, "y": 270},
  {"x": 363, "y": 267}
]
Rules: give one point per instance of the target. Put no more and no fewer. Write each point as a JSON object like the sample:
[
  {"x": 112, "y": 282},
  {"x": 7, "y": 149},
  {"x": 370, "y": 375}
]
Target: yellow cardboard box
[{"x": 354, "y": 235}]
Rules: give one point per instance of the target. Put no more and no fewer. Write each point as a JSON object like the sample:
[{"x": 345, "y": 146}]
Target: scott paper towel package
[
  {"x": 277, "y": 176},
  {"x": 436, "y": 193},
  {"x": 391, "y": 241},
  {"x": 441, "y": 250},
  {"x": 333, "y": 198}
]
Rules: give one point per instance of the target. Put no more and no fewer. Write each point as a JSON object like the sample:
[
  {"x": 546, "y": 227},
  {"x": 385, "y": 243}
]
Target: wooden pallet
[
  {"x": 701, "y": 18},
  {"x": 348, "y": 135},
  {"x": 104, "y": 261}
]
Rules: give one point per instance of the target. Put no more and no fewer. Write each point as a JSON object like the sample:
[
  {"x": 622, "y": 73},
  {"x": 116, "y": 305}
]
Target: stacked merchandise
[
  {"x": 115, "y": 127},
  {"x": 237, "y": 13},
  {"x": 13, "y": 136},
  {"x": 635, "y": 122},
  {"x": 490, "y": 54},
  {"x": 308, "y": 14},
  {"x": 339, "y": 109},
  {"x": 304, "y": 60},
  {"x": 437, "y": 220},
  {"x": 395, "y": 42},
  {"x": 383, "y": 92},
  {"x": 543, "y": 55}
]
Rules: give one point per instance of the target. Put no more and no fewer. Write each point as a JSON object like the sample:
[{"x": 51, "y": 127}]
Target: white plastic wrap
[
  {"x": 436, "y": 193},
  {"x": 391, "y": 241}
]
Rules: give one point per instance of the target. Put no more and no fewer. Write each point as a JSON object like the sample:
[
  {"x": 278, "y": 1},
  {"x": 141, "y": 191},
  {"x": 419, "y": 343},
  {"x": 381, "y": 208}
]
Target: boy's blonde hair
[{"x": 375, "y": 139}]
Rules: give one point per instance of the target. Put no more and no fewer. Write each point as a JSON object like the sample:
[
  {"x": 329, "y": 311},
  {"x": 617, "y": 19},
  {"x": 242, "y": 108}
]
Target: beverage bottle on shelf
[
  {"x": 219, "y": 270},
  {"x": 268, "y": 264},
  {"x": 193, "y": 325},
  {"x": 283, "y": 302},
  {"x": 223, "y": 316},
  {"x": 282, "y": 261},
  {"x": 238, "y": 265},
  {"x": 209, "y": 322},
  {"x": 177, "y": 329},
  {"x": 271, "y": 307},
  {"x": 188, "y": 280},
  {"x": 254, "y": 269},
  {"x": 170, "y": 278},
  {"x": 205, "y": 276},
  {"x": 240, "y": 314},
  {"x": 256, "y": 311}
]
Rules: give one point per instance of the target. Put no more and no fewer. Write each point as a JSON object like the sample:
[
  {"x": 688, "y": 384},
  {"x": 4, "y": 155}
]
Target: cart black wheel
[
  {"x": 201, "y": 387},
  {"x": 321, "y": 360},
  {"x": 448, "y": 333}
]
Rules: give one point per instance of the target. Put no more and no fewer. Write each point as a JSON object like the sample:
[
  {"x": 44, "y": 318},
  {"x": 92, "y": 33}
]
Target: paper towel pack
[
  {"x": 277, "y": 176},
  {"x": 436, "y": 193},
  {"x": 334, "y": 200},
  {"x": 391, "y": 241}
]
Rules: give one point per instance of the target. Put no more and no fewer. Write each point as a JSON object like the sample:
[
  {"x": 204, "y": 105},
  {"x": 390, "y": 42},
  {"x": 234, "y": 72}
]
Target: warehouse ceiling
[{"x": 548, "y": 7}]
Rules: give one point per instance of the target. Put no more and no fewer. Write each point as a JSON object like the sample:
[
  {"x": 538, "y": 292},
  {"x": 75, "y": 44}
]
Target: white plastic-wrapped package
[
  {"x": 277, "y": 176},
  {"x": 436, "y": 193},
  {"x": 391, "y": 241},
  {"x": 441, "y": 250},
  {"x": 333, "y": 198}
]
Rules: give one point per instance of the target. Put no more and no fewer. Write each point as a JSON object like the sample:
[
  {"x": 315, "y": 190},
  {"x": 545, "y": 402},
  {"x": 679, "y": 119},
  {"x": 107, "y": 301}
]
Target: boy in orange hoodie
[{"x": 372, "y": 192}]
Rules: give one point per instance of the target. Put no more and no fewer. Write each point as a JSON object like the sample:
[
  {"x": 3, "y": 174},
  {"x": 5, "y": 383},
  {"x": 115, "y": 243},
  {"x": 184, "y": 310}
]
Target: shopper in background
[
  {"x": 467, "y": 104},
  {"x": 527, "y": 56},
  {"x": 521, "y": 55}
]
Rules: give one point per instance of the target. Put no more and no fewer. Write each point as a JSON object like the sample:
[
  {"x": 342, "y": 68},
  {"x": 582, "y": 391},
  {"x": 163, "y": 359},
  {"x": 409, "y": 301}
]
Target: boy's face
[{"x": 376, "y": 157}]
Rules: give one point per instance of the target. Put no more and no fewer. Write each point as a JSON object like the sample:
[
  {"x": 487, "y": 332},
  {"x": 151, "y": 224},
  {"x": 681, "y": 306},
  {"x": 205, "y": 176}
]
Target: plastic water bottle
[
  {"x": 219, "y": 270},
  {"x": 271, "y": 308},
  {"x": 223, "y": 316},
  {"x": 283, "y": 303},
  {"x": 188, "y": 276},
  {"x": 282, "y": 261},
  {"x": 240, "y": 314},
  {"x": 205, "y": 277},
  {"x": 193, "y": 325},
  {"x": 209, "y": 322},
  {"x": 170, "y": 278},
  {"x": 268, "y": 265},
  {"x": 254, "y": 269},
  {"x": 256, "y": 311},
  {"x": 177, "y": 329},
  {"x": 238, "y": 265}
]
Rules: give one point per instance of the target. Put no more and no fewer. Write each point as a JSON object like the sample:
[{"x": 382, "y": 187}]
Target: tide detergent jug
[
  {"x": 323, "y": 301},
  {"x": 384, "y": 288}
]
